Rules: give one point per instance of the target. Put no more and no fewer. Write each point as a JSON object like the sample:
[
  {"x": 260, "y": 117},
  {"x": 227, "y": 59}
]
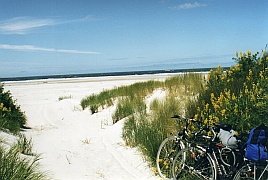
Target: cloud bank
[{"x": 35, "y": 48}]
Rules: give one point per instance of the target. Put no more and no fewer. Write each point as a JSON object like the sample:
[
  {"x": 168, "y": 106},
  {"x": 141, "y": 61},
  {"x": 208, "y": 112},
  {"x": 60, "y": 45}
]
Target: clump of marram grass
[
  {"x": 65, "y": 97},
  {"x": 127, "y": 106},
  {"x": 15, "y": 165},
  {"x": 107, "y": 97},
  {"x": 24, "y": 145},
  {"x": 147, "y": 131}
]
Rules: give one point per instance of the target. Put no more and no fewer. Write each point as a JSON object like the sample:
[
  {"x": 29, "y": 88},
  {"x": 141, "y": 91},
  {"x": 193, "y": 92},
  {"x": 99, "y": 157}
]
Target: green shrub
[
  {"x": 11, "y": 116},
  {"x": 239, "y": 95}
]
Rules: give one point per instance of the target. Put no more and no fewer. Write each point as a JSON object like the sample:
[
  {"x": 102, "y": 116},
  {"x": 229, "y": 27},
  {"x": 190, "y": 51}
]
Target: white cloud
[
  {"x": 188, "y": 6},
  {"x": 24, "y": 25},
  {"x": 35, "y": 48}
]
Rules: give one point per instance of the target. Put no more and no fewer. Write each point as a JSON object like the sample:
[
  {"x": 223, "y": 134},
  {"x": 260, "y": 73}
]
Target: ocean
[{"x": 123, "y": 73}]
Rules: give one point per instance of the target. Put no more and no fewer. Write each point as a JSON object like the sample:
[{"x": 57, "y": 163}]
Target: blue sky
[{"x": 87, "y": 36}]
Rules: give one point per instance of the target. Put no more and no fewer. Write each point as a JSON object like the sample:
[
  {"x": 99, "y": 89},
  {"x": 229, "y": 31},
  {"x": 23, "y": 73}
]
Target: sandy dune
[{"x": 73, "y": 143}]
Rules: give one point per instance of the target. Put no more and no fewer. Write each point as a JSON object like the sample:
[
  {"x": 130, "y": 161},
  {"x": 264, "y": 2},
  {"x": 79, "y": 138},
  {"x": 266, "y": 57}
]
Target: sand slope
[{"x": 73, "y": 143}]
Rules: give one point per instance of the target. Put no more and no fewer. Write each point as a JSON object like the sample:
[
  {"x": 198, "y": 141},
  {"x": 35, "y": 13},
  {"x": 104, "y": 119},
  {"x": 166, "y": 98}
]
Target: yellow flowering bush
[{"x": 239, "y": 95}]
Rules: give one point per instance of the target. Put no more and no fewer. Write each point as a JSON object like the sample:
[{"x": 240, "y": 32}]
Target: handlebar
[
  {"x": 203, "y": 128},
  {"x": 184, "y": 118}
]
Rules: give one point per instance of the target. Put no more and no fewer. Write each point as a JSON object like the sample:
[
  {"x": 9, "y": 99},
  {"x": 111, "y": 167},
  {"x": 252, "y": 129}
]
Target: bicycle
[
  {"x": 195, "y": 162},
  {"x": 227, "y": 159},
  {"x": 208, "y": 160},
  {"x": 169, "y": 148},
  {"x": 253, "y": 171}
]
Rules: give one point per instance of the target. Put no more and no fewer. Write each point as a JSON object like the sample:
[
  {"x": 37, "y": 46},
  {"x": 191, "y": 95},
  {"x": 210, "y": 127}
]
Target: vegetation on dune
[
  {"x": 237, "y": 96},
  {"x": 11, "y": 116},
  {"x": 15, "y": 165},
  {"x": 107, "y": 97},
  {"x": 16, "y": 161},
  {"x": 148, "y": 124}
]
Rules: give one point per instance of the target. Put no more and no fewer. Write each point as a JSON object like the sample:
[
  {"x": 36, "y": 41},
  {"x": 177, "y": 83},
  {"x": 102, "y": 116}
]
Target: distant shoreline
[{"x": 105, "y": 74}]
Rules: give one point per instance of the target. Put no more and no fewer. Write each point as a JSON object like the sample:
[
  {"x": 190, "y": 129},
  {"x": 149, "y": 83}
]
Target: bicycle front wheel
[
  {"x": 167, "y": 151},
  {"x": 192, "y": 164},
  {"x": 252, "y": 171}
]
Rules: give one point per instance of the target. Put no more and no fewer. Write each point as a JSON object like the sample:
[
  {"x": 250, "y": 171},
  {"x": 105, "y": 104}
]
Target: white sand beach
[{"x": 73, "y": 143}]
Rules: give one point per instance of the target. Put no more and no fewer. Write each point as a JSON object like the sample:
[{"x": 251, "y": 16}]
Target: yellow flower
[
  {"x": 249, "y": 52},
  {"x": 228, "y": 95},
  {"x": 236, "y": 54},
  {"x": 237, "y": 67},
  {"x": 260, "y": 61},
  {"x": 212, "y": 96},
  {"x": 223, "y": 112},
  {"x": 210, "y": 133},
  {"x": 216, "y": 106},
  {"x": 236, "y": 109},
  {"x": 261, "y": 75},
  {"x": 241, "y": 54},
  {"x": 233, "y": 97},
  {"x": 210, "y": 117},
  {"x": 207, "y": 107},
  {"x": 250, "y": 72}
]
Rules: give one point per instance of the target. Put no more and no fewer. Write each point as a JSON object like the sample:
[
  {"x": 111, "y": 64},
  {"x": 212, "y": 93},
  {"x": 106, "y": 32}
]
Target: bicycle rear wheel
[
  {"x": 167, "y": 151},
  {"x": 247, "y": 172},
  {"x": 192, "y": 164}
]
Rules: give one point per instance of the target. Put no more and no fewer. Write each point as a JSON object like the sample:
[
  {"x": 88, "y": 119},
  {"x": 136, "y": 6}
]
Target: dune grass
[
  {"x": 107, "y": 97},
  {"x": 65, "y": 97},
  {"x": 147, "y": 125},
  {"x": 18, "y": 161}
]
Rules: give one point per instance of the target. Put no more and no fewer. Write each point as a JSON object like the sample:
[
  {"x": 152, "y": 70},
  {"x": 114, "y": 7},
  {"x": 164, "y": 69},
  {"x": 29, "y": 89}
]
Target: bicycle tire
[
  {"x": 167, "y": 151},
  {"x": 192, "y": 164},
  {"x": 247, "y": 172}
]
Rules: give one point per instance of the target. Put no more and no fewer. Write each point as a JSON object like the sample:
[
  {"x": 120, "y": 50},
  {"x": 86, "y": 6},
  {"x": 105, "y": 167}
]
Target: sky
[{"x": 55, "y": 37}]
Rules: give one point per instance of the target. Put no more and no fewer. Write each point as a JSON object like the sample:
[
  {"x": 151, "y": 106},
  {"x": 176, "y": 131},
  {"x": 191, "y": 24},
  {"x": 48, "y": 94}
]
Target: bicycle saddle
[{"x": 226, "y": 127}]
